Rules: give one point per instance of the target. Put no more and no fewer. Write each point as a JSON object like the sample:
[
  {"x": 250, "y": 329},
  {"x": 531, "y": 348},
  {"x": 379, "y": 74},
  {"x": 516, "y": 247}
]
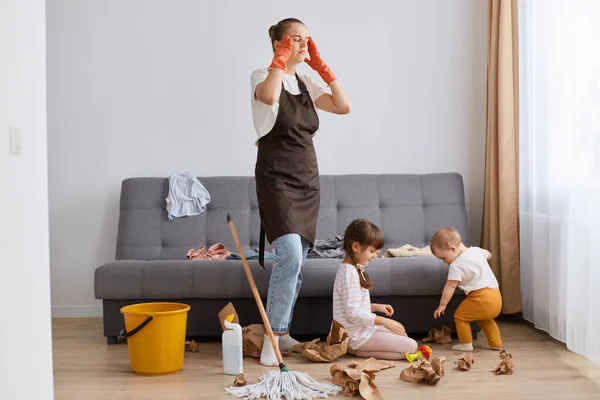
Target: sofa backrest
[{"x": 408, "y": 209}]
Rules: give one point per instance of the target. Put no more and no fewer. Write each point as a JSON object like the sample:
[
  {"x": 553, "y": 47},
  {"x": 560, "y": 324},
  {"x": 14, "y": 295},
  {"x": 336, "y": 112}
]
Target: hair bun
[{"x": 271, "y": 31}]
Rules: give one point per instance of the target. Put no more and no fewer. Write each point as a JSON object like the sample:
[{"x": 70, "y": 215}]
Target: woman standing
[{"x": 287, "y": 172}]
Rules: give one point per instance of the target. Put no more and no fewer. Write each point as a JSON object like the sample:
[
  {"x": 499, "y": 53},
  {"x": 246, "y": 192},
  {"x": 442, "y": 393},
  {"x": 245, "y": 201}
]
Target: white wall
[
  {"x": 149, "y": 88},
  {"x": 25, "y": 330}
]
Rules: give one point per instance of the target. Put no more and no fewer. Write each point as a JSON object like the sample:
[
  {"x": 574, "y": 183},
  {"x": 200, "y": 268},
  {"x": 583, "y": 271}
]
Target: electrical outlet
[{"x": 15, "y": 138}]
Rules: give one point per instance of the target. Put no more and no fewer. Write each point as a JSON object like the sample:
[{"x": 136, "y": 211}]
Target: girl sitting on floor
[{"x": 370, "y": 335}]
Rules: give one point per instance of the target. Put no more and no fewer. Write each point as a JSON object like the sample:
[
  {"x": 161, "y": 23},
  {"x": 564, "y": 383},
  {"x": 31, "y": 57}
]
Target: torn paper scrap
[
  {"x": 424, "y": 371},
  {"x": 335, "y": 346},
  {"x": 507, "y": 365},
  {"x": 465, "y": 362},
  {"x": 226, "y": 311},
  {"x": 191, "y": 345},
  {"x": 442, "y": 336},
  {"x": 240, "y": 380},
  {"x": 372, "y": 365},
  {"x": 358, "y": 377}
]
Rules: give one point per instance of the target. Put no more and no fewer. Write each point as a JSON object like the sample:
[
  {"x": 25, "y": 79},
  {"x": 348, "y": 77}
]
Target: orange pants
[{"x": 481, "y": 306}]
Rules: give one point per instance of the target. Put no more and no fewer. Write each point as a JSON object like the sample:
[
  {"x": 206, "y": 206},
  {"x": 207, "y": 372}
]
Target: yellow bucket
[{"x": 155, "y": 335}]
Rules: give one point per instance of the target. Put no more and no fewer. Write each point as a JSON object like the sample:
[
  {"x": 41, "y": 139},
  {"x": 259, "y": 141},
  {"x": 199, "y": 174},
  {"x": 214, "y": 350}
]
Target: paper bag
[
  {"x": 424, "y": 371},
  {"x": 240, "y": 380},
  {"x": 465, "y": 362},
  {"x": 228, "y": 309},
  {"x": 191, "y": 345},
  {"x": 336, "y": 345},
  {"x": 506, "y": 366},
  {"x": 372, "y": 365},
  {"x": 253, "y": 337},
  {"x": 442, "y": 336},
  {"x": 358, "y": 377},
  {"x": 355, "y": 382}
]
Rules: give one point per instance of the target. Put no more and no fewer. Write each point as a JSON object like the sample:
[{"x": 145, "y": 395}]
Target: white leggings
[{"x": 386, "y": 345}]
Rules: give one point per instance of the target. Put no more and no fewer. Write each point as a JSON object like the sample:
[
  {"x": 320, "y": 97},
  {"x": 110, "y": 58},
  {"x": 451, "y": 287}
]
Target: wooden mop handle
[{"x": 261, "y": 308}]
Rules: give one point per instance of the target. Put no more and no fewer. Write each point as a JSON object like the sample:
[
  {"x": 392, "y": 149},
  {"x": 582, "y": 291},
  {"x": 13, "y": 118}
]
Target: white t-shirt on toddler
[
  {"x": 472, "y": 270},
  {"x": 264, "y": 115}
]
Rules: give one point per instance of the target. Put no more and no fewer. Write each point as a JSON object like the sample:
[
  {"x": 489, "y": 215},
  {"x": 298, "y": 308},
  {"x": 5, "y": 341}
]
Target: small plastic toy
[{"x": 424, "y": 351}]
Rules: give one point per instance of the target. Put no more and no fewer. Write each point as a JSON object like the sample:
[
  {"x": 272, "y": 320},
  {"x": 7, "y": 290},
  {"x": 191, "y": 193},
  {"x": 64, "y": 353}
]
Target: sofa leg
[{"x": 111, "y": 340}]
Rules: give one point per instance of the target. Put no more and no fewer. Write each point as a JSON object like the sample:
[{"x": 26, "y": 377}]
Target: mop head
[{"x": 290, "y": 385}]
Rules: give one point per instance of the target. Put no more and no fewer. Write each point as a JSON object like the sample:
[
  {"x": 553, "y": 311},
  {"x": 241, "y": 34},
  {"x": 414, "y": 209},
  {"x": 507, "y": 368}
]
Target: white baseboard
[{"x": 76, "y": 311}]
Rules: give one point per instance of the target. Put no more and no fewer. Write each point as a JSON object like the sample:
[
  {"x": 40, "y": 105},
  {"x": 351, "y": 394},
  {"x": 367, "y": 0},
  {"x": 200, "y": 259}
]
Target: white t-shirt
[
  {"x": 264, "y": 115},
  {"x": 472, "y": 271}
]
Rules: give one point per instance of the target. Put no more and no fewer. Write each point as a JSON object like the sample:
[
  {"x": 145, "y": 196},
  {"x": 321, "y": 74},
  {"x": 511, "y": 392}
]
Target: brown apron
[{"x": 287, "y": 172}]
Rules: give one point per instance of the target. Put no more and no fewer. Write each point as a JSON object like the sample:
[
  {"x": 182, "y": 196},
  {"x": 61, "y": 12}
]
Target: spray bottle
[{"x": 233, "y": 363}]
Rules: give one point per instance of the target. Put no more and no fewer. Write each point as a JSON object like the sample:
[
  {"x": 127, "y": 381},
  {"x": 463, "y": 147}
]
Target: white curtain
[{"x": 559, "y": 165}]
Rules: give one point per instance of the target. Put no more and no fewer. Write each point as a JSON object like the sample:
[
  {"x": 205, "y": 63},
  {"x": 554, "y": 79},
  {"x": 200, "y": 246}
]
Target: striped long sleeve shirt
[{"x": 352, "y": 306}]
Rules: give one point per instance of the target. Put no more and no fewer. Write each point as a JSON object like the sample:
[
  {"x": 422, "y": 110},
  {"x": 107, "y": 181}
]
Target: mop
[{"x": 284, "y": 383}]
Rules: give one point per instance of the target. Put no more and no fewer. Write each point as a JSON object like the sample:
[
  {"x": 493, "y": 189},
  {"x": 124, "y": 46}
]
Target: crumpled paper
[
  {"x": 358, "y": 377},
  {"x": 506, "y": 366},
  {"x": 240, "y": 380},
  {"x": 191, "y": 345},
  {"x": 424, "y": 371},
  {"x": 442, "y": 336},
  {"x": 465, "y": 362},
  {"x": 253, "y": 337},
  {"x": 335, "y": 346},
  {"x": 408, "y": 251}
]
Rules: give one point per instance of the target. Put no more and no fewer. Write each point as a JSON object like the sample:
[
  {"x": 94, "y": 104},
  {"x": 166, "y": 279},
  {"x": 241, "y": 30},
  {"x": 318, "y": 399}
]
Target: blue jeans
[{"x": 286, "y": 280}]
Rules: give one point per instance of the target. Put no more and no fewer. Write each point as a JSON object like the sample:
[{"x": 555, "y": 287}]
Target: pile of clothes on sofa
[{"x": 332, "y": 247}]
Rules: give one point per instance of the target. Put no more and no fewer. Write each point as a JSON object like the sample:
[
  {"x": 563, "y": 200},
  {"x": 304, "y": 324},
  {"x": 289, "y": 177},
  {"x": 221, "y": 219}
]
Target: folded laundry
[{"x": 408, "y": 251}]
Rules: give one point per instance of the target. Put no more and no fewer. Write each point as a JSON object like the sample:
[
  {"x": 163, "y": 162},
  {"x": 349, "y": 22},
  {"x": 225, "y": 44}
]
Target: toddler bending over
[{"x": 470, "y": 271}]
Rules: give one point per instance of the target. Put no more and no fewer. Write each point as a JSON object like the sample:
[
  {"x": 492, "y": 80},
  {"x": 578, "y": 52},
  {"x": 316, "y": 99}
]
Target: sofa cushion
[{"x": 226, "y": 279}]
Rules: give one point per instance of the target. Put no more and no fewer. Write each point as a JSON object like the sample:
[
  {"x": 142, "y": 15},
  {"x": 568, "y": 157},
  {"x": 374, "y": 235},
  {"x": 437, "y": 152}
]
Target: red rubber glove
[
  {"x": 282, "y": 54},
  {"x": 317, "y": 63}
]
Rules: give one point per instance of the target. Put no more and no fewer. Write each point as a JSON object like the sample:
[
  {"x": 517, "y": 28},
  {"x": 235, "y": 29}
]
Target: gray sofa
[{"x": 151, "y": 262}]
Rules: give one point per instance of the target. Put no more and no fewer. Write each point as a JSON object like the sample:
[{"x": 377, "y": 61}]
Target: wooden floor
[{"x": 85, "y": 368}]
